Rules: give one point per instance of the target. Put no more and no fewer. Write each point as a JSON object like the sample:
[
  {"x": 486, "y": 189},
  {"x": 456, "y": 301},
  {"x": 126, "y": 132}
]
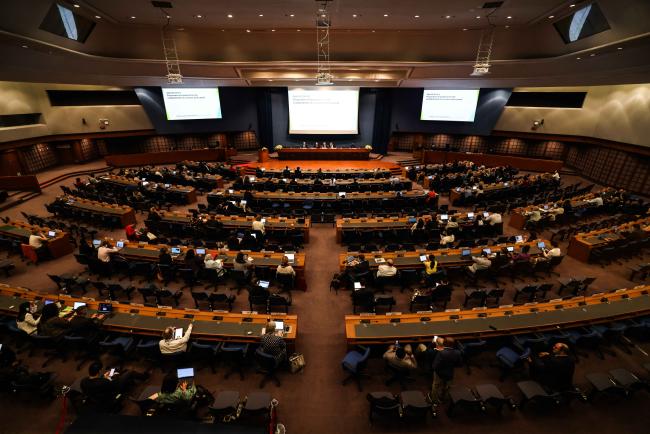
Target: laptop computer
[
  {"x": 342, "y": 194},
  {"x": 423, "y": 258},
  {"x": 290, "y": 256},
  {"x": 465, "y": 253},
  {"x": 263, "y": 284},
  {"x": 487, "y": 251},
  {"x": 510, "y": 249},
  {"x": 119, "y": 244},
  {"x": 358, "y": 286},
  {"x": 105, "y": 308},
  {"x": 541, "y": 245},
  {"x": 200, "y": 251},
  {"x": 167, "y": 185},
  {"x": 97, "y": 243},
  {"x": 46, "y": 302},
  {"x": 444, "y": 217},
  {"x": 470, "y": 215},
  {"x": 519, "y": 239},
  {"x": 185, "y": 374},
  {"x": 51, "y": 234},
  {"x": 78, "y": 304},
  {"x": 486, "y": 214},
  {"x": 176, "y": 251}
]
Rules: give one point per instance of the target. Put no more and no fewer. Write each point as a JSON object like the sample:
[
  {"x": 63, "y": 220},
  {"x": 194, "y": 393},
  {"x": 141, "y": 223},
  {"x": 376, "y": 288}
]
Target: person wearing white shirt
[
  {"x": 169, "y": 345},
  {"x": 556, "y": 176},
  {"x": 25, "y": 320},
  {"x": 555, "y": 251},
  {"x": 598, "y": 201},
  {"x": 452, "y": 223},
  {"x": 494, "y": 219},
  {"x": 258, "y": 224},
  {"x": 480, "y": 263},
  {"x": 534, "y": 215},
  {"x": 446, "y": 238},
  {"x": 104, "y": 252},
  {"x": 36, "y": 240},
  {"x": 209, "y": 262},
  {"x": 387, "y": 269},
  {"x": 285, "y": 267}
]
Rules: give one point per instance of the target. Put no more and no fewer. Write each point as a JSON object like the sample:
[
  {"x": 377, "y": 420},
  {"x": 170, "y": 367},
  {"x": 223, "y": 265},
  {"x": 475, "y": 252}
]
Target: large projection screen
[
  {"x": 449, "y": 105},
  {"x": 323, "y": 110},
  {"x": 191, "y": 103}
]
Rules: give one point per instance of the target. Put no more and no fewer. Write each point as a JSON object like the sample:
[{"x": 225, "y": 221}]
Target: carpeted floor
[{"x": 314, "y": 401}]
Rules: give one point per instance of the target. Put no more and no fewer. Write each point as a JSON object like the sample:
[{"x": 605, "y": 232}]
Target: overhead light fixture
[
  {"x": 464, "y": 30},
  {"x": 198, "y": 16},
  {"x": 385, "y": 15},
  {"x": 260, "y": 15},
  {"x": 291, "y": 15},
  {"x": 572, "y": 5},
  {"x": 619, "y": 48},
  {"x": 484, "y": 52},
  {"x": 180, "y": 29},
  {"x": 478, "y": 17},
  {"x": 297, "y": 30},
  {"x": 133, "y": 17},
  {"x": 550, "y": 17},
  {"x": 270, "y": 79},
  {"x": 76, "y": 5},
  {"x": 592, "y": 54},
  {"x": 509, "y": 17},
  {"x": 168, "y": 17},
  {"x": 248, "y": 30},
  {"x": 323, "y": 23},
  {"x": 354, "y": 15},
  {"x": 229, "y": 15},
  {"x": 373, "y": 31},
  {"x": 273, "y": 30},
  {"x": 416, "y": 16},
  {"x": 507, "y": 27},
  {"x": 578, "y": 58},
  {"x": 25, "y": 46}
]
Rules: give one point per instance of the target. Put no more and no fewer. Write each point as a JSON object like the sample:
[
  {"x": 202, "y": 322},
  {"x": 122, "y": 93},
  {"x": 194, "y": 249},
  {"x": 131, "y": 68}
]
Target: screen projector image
[
  {"x": 449, "y": 105},
  {"x": 323, "y": 111},
  {"x": 191, "y": 103}
]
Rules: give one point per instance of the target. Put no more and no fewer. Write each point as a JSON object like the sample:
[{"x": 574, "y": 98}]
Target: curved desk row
[
  {"x": 126, "y": 214},
  {"x": 188, "y": 193},
  {"x": 58, "y": 245},
  {"x": 503, "y": 320},
  {"x": 519, "y": 216},
  {"x": 214, "y": 198},
  {"x": 582, "y": 244},
  {"x": 132, "y": 318},
  {"x": 445, "y": 257}
]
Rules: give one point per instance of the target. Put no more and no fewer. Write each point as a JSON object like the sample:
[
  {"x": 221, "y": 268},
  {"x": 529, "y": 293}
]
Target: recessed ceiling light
[
  {"x": 248, "y": 30},
  {"x": 97, "y": 17},
  {"x": 260, "y": 15},
  {"x": 373, "y": 31},
  {"x": 229, "y": 15},
  {"x": 291, "y": 15},
  {"x": 198, "y": 16},
  {"x": 509, "y": 17},
  {"x": 376, "y": 81},
  {"x": 507, "y": 27},
  {"x": 478, "y": 17},
  {"x": 572, "y": 5},
  {"x": 619, "y": 48},
  {"x": 133, "y": 17},
  {"x": 592, "y": 54},
  {"x": 270, "y": 79},
  {"x": 273, "y": 30},
  {"x": 168, "y": 17},
  {"x": 447, "y": 16},
  {"x": 550, "y": 17},
  {"x": 297, "y": 30},
  {"x": 416, "y": 16},
  {"x": 76, "y": 5},
  {"x": 25, "y": 46},
  {"x": 385, "y": 15},
  {"x": 223, "y": 30},
  {"x": 464, "y": 30},
  {"x": 180, "y": 29}
]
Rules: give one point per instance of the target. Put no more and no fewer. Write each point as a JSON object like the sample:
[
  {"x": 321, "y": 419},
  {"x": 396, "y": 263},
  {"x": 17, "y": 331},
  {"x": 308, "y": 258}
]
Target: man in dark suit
[
  {"x": 102, "y": 388},
  {"x": 446, "y": 358},
  {"x": 554, "y": 370}
]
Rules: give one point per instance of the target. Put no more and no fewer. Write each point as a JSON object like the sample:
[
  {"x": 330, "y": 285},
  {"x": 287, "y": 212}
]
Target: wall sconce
[{"x": 537, "y": 124}]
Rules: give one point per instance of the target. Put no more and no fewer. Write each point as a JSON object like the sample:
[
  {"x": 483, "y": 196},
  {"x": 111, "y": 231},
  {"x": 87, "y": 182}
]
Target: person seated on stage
[
  {"x": 170, "y": 345},
  {"x": 272, "y": 344},
  {"x": 285, "y": 267},
  {"x": 164, "y": 258},
  {"x": 258, "y": 224},
  {"x": 213, "y": 264},
  {"x": 173, "y": 391},
  {"x": 387, "y": 269},
  {"x": 400, "y": 357},
  {"x": 104, "y": 251},
  {"x": 554, "y": 370},
  {"x": 26, "y": 320},
  {"x": 480, "y": 263},
  {"x": 38, "y": 242},
  {"x": 103, "y": 388}
]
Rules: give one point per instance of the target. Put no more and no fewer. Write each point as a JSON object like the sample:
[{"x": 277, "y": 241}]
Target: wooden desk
[
  {"x": 291, "y": 196},
  {"x": 490, "y": 160},
  {"x": 144, "y": 252},
  {"x": 518, "y": 217},
  {"x": 447, "y": 258},
  {"x": 148, "y": 158},
  {"x": 323, "y": 154},
  {"x": 504, "y": 320},
  {"x": 582, "y": 244},
  {"x": 245, "y": 222},
  {"x": 57, "y": 246},
  {"x": 125, "y": 213},
  {"x": 189, "y": 193},
  {"x": 328, "y": 173},
  {"x": 151, "y": 321},
  {"x": 403, "y": 183}
]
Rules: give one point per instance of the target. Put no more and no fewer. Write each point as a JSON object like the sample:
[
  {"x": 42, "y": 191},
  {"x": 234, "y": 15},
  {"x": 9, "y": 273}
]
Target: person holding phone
[
  {"x": 103, "y": 386},
  {"x": 170, "y": 344}
]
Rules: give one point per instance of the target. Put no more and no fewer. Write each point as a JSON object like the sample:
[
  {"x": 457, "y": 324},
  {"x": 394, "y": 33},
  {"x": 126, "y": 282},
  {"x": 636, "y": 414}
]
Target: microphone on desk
[{"x": 492, "y": 327}]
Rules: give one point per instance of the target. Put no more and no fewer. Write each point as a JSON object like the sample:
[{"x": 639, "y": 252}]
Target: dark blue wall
[
  {"x": 407, "y": 105},
  {"x": 281, "y": 136},
  {"x": 381, "y": 112},
  {"x": 238, "y": 108}
]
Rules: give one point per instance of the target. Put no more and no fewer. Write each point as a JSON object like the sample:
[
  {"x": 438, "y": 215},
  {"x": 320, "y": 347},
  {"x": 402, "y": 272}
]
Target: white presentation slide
[
  {"x": 323, "y": 111},
  {"x": 191, "y": 103},
  {"x": 449, "y": 105}
]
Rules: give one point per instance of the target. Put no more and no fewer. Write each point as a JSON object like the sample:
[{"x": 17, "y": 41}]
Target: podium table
[{"x": 323, "y": 154}]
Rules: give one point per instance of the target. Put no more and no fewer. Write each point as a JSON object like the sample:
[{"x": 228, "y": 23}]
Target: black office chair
[
  {"x": 267, "y": 365},
  {"x": 234, "y": 355},
  {"x": 384, "y": 405}
]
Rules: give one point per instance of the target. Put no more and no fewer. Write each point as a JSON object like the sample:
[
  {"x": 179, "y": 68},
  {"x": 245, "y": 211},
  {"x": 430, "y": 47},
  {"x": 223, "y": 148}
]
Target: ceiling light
[
  {"x": 592, "y": 54},
  {"x": 385, "y": 15},
  {"x": 464, "y": 30},
  {"x": 354, "y": 15},
  {"x": 180, "y": 29},
  {"x": 509, "y": 17},
  {"x": 507, "y": 27},
  {"x": 297, "y": 30},
  {"x": 168, "y": 17},
  {"x": 273, "y": 30},
  {"x": 373, "y": 31},
  {"x": 229, "y": 15},
  {"x": 550, "y": 17},
  {"x": 291, "y": 15},
  {"x": 416, "y": 16},
  {"x": 97, "y": 17},
  {"x": 478, "y": 17},
  {"x": 198, "y": 16},
  {"x": 76, "y": 5},
  {"x": 133, "y": 17},
  {"x": 578, "y": 58},
  {"x": 25, "y": 46},
  {"x": 376, "y": 81},
  {"x": 270, "y": 79},
  {"x": 572, "y": 5},
  {"x": 248, "y": 30},
  {"x": 619, "y": 48},
  {"x": 260, "y": 15}
]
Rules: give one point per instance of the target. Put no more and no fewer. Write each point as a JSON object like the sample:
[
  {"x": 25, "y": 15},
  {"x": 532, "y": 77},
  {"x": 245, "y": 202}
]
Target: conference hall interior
[{"x": 315, "y": 216}]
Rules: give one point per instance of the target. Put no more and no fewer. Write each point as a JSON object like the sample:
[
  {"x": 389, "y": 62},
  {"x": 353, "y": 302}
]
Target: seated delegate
[{"x": 169, "y": 344}]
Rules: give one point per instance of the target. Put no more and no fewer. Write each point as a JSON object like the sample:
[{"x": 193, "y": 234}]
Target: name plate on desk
[{"x": 393, "y": 313}]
